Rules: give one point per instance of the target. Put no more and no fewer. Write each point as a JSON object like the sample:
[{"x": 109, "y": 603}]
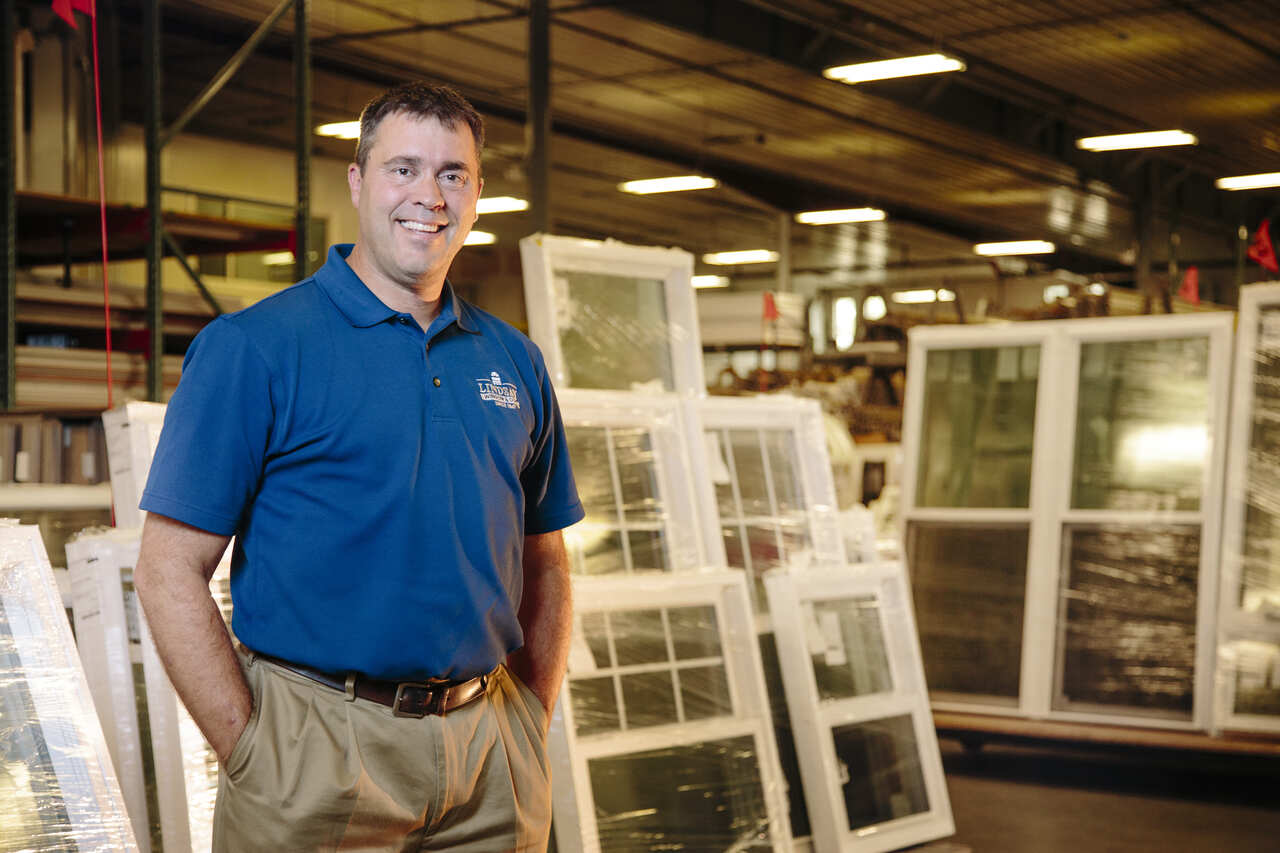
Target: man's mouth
[{"x": 421, "y": 227}]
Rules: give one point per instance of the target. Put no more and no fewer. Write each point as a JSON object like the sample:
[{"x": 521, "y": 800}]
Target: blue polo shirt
[{"x": 379, "y": 478}]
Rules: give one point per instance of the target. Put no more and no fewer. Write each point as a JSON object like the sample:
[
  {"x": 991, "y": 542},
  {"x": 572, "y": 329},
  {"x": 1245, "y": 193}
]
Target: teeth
[{"x": 419, "y": 226}]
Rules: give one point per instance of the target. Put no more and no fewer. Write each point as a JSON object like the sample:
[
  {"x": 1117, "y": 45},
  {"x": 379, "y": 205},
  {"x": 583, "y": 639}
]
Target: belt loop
[{"x": 351, "y": 687}]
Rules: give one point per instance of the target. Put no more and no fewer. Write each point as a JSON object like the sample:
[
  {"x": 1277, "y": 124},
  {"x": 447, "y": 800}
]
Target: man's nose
[{"x": 427, "y": 193}]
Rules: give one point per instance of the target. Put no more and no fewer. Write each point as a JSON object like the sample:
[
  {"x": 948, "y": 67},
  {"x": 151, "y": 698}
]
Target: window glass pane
[
  {"x": 1127, "y": 638},
  {"x": 601, "y": 551},
  {"x": 853, "y": 660},
  {"x": 701, "y": 797},
  {"x": 647, "y": 549},
  {"x": 589, "y": 455},
  {"x": 613, "y": 331},
  {"x": 637, "y": 474},
  {"x": 695, "y": 632},
  {"x": 881, "y": 762},
  {"x": 704, "y": 690},
  {"x": 969, "y": 587},
  {"x": 595, "y": 631},
  {"x": 595, "y": 705},
  {"x": 648, "y": 699},
  {"x": 1260, "y": 568},
  {"x": 1257, "y": 678},
  {"x": 977, "y": 427},
  {"x": 782, "y": 733},
  {"x": 1142, "y": 425},
  {"x": 735, "y": 555},
  {"x": 748, "y": 466},
  {"x": 638, "y": 636},
  {"x": 784, "y": 466}
]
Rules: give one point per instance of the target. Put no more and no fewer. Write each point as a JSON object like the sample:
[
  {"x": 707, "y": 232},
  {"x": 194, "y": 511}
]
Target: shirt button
[{"x": 435, "y": 381}]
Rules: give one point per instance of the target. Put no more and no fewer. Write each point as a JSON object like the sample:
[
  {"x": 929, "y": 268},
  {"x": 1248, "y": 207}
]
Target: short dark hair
[{"x": 420, "y": 100}]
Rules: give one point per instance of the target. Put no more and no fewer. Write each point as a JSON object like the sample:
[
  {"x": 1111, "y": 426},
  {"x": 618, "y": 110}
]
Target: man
[{"x": 392, "y": 463}]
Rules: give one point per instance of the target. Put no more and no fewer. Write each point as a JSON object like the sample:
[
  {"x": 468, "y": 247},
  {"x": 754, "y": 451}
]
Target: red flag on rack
[
  {"x": 66, "y": 9},
  {"x": 1190, "y": 289},
  {"x": 1261, "y": 250},
  {"x": 770, "y": 307}
]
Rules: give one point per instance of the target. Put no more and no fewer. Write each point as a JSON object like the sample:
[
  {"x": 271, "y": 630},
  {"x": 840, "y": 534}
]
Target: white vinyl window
[
  {"x": 1248, "y": 694},
  {"x": 1061, "y": 514},
  {"x": 662, "y": 730},
  {"x": 642, "y": 486},
  {"x": 56, "y": 779},
  {"x": 612, "y": 316},
  {"x": 855, "y": 686},
  {"x": 773, "y": 485}
]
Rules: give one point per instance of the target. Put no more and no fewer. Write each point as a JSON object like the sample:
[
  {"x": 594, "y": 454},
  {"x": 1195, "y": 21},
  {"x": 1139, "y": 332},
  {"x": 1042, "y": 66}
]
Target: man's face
[{"x": 416, "y": 199}]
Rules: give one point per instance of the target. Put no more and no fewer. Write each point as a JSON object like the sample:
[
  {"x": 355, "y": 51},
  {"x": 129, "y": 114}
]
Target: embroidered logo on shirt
[{"x": 497, "y": 392}]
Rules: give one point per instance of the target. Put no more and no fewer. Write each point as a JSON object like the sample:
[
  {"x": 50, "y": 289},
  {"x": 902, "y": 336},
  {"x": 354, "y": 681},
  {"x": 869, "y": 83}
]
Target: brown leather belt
[{"x": 404, "y": 698}]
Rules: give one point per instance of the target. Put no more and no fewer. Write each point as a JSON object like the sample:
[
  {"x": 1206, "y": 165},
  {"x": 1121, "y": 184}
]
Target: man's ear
[
  {"x": 479, "y": 193},
  {"x": 354, "y": 179}
]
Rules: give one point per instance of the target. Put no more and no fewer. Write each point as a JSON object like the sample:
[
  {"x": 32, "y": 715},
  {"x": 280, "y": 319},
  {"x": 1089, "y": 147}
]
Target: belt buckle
[{"x": 433, "y": 705}]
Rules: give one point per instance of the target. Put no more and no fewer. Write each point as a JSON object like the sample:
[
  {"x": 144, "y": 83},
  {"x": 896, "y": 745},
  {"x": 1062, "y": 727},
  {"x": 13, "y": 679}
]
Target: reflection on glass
[
  {"x": 701, "y": 797},
  {"x": 614, "y": 331},
  {"x": 1142, "y": 425},
  {"x": 617, "y": 479},
  {"x": 977, "y": 428},
  {"x": 1257, "y": 678},
  {"x": 1260, "y": 569},
  {"x": 853, "y": 661},
  {"x": 969, "y": 587},
  {"x": 1127, "y": 620},
  {"x": 666, "y": 664},
  {"x": 881, "y": 762}
]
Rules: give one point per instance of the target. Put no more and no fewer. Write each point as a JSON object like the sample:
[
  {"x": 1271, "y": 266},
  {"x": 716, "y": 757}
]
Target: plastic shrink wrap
[
  {"x": 662, "y": 738},
  {"x": 608, "y": 315},
  {"x": 132, "y": 431},
  {"x": 57, "y": 785}
]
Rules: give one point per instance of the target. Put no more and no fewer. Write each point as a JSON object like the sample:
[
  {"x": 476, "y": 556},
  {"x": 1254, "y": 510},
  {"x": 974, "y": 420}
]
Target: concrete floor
[{"x": 1045, "y": 799}]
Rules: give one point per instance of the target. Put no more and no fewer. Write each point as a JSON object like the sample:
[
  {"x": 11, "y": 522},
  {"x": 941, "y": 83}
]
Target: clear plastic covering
[
  {"x": 640, "y": 488},
  {"x": 57, "y": 785},
  {"x": 612, "y": 316},
  {"x": 663, "y": 729},
  {"x": 865, "y": 741}
]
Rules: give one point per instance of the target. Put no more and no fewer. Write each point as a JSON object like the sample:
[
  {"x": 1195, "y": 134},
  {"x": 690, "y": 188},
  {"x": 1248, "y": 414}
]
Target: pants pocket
[
  {"x": 238, "y": 760},
  {"x": 532, "y": 703}
]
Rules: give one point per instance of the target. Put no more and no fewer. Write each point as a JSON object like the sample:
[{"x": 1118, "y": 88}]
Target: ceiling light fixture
[
  {"x": 745, "y": 256},
  {"x": 340, "y": 129},
  {"x": 501, "y": 204},
  {"x": 1249, "y": 182},
  {"x": 277, "y": 259},
  {"x": 946, "y": 295},
  {"x": 836, "y": 217},
  {"x": 1014, "y": 247},
  {"x": 704, "y": 281},
  {"x": 1146, "y": 139},
  {"x": 675, "y": 184},
  {"x": 480, "y": 238},
  {"x": 914, "y": 297},
  {"x": 907, "y": 66}
]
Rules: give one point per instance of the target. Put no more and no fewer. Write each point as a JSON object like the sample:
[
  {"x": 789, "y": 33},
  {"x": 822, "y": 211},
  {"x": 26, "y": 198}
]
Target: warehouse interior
[{"x": 1063, "y": 451}]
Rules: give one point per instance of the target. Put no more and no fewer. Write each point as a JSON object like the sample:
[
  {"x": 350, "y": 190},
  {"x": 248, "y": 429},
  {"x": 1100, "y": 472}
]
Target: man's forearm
[
  {"x": 193, "y": 642},
  {"x": 546, "y": 618}
]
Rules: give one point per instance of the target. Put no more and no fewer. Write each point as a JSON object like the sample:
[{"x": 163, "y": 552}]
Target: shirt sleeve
[
  {"x": 212, "y": 447},
  {"x": 551, "y": 496}
]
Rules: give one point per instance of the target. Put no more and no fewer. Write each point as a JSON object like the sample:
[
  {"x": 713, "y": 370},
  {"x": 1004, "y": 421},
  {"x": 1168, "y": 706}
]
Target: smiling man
[{"x": 392, "y": 465}]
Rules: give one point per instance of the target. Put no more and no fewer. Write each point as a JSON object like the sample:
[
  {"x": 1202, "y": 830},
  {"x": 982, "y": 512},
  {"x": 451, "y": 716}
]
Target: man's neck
[{"x": 423, "y": 302}]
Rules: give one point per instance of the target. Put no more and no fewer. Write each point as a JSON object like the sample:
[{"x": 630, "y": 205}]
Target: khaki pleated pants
[{"x": 315, "y": 771}]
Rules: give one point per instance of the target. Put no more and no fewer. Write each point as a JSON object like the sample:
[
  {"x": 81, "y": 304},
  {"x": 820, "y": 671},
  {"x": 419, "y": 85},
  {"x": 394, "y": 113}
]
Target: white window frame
[
  {"x": 575, "y": 822},
  {"x": 1049, "y": 510},
  {"x": 814, "y": 718},
  {"x": 690, "y": 525},
  {"x": 59, "y": 694},
  {"x": 1236, "y": 625},
  {"x": 542, "y": 255},
  {"x": 132, "y": 431}
]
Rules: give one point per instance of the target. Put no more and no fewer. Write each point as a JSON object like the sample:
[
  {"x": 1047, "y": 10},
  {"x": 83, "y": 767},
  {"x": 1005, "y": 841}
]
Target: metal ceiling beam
[
  {"x": 151, "y": 58},
  {"x": 538, "y": 122},
  {"x": 8, "y": 206},
  {"x": 302, "y": 137}
]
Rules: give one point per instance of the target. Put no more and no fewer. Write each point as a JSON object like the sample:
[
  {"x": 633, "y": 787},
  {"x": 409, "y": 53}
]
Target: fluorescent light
[
  {"x": 702, "y": 281},
  {"x": 835, "y": 217},
  {"x": 844, "y": 322},
  {"x": 501, "y": 204},
  {"x": 340, "y": 129},
  {"x": 873, "y": 307},
  {"x": 678, "y": 183},
  {"x": 1146, "y": 139},
  {"x": 1054, "y": 292},
  {"x": 747, "y": 256},
  {"x": 1249, "y": 182},
  {"x": 277, "y": 259},
  {"x": 480, "y": 238},
  {"x": 914, "y": 297},
  {"x": 946, "y": 295},
  {"x": 1097, "y": 289},
  {"x": 1015, "y": 247},
  {"x": 907, "y": 66}
]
